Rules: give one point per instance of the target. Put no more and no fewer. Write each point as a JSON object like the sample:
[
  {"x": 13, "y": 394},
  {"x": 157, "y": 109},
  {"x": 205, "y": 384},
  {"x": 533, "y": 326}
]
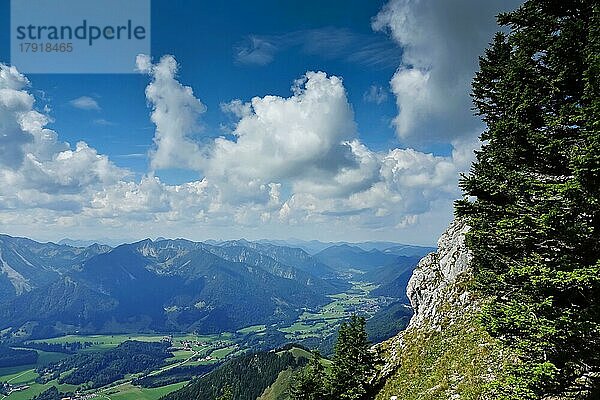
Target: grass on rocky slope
[
  {"x": 458, "y": 362},
  {"x": 279, "y": 390}
]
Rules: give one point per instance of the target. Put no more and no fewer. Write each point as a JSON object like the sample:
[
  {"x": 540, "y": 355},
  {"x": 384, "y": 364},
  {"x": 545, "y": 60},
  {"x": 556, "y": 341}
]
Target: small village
[{"x": 7, "y": 389}]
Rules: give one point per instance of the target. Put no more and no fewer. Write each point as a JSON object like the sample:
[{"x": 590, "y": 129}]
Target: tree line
[
  {"x": 67, "y": 348},
  {"x": 10, "y": 357}
]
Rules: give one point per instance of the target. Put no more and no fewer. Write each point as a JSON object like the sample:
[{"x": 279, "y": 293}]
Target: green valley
[{"x": 190, "y": 352}]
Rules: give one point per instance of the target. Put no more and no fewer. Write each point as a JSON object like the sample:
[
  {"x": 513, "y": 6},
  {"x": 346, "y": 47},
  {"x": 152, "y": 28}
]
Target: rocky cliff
[
  {"x": 444, "y": 353},
  {"x": 434, "y": 284}
]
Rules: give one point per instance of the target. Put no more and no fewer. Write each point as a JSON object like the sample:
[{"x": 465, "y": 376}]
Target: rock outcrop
[
  {"x": 445, "y": 353},
  {"x": 434, "y": 283},
  {"x": 433, "y": 287}
]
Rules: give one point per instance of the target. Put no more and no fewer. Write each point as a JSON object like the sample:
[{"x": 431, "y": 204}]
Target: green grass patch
[
  {"x": 219, "y": 354},
  {"x": 280, "y": 388},
  {"x": 303, "y": 328},
  {"x": 300, "y": 353},
  {"x": 252, "y": 329},
  {"x": 130, "y": 392},
  {"x": 27, "y": 377},
  {"x": 180, "y": 355},
  {"x": 7, "y": 373},
  {"x": 47, "y": 357}
]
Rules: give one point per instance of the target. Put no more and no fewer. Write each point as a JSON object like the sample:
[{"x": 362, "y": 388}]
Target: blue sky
[
  {"x": 205, "y": 37},
  {"x": 405, "y": 69}
]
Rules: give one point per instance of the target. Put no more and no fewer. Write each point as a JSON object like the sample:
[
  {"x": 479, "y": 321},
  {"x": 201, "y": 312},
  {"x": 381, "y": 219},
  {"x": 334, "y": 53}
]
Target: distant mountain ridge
[
  {"x": 178, "y": 285},
  {"x": 344, "y": 256},
  {"x": 393, "y": 278},
  {"x": 86, "y": 243},
  {"x": 26, "y": 264},
  {"x": 314, "y": 246},
  {"x": 283, "y": 253},
  {"x": 174, "y": 284}
]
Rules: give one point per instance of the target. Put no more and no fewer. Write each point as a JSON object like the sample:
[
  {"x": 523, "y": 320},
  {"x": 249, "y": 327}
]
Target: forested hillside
[
  {"x": 242, "y": 378},
  {"x": 101, "y": 368}
]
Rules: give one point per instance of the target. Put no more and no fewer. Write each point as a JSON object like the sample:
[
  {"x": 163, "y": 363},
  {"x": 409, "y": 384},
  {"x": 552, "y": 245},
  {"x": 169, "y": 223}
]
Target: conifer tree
[
  {"x": 310, "y": 382},
  {"x": 353, "y": 362},
  {"x": 534, "y": 196},
  {"x": 226, "y": 394}
]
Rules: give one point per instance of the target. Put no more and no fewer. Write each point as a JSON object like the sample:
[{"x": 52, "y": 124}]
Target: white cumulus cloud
[
  {"x": 175, "y": 112},
  {"x": 293, "y": 162},
  {"x": 279, "y": 138},
  {"x": 441, "y": 42},
  {"x": 299, "y": 160},
  {"x": 36, "y": 169},
  {"x": 15, "y": 104}
]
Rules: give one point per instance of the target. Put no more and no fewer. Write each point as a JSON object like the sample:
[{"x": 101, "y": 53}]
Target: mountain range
[
  {"x": 315, "y": 246},
  {"x": 172, "y": 284}
]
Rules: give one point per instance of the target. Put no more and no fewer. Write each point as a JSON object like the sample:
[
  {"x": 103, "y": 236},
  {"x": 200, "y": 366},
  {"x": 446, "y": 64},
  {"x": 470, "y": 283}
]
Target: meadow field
[{"x": 189, "y": 349}]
